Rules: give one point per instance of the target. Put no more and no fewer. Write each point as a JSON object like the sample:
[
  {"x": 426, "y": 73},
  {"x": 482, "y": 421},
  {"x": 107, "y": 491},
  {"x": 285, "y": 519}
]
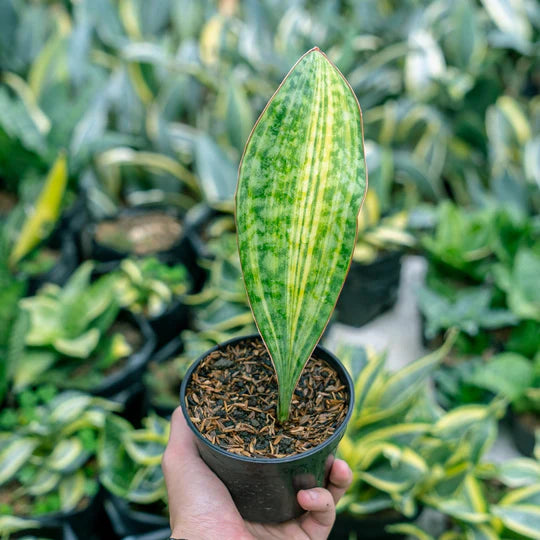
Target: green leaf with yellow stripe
[{"x": 301, "y": 184}]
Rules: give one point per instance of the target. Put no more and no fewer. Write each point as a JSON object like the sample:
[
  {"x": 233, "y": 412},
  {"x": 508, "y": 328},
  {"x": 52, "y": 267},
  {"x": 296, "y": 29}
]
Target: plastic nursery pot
[
  {"x": 171, "y": 322},
  {"x": 126, "y": 521},
  {"x": 132, "y": 372},
  {"x": 87, "y": 522},
  {"x": 264, "y": 489},
  {"x": 523, "y": 431},
  {"x": 370, "y": 289},
  {"x": 64, "y": 266},
  {"x": 181, "y": 251},
  {"x": 370, "y": 527}
]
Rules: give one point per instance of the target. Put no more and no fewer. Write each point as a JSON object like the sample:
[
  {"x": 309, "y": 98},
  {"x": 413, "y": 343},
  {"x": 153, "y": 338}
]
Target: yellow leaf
[{"x": 45, "y": 212}]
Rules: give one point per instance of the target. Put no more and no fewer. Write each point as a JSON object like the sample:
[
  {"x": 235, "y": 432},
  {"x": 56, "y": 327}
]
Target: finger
[
  {"x": 181, "y": 449},
  {"x": 340, "y": 479},
  {"x": 322, "y": 511}
]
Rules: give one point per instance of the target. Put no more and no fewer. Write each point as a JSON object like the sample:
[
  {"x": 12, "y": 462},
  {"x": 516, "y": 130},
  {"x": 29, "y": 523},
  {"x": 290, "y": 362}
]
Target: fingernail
[{"x": 313, "y": 495}]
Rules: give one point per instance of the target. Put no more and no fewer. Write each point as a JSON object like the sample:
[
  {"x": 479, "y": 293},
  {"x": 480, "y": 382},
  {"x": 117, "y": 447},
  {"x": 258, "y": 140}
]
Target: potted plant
[
  {"x": 372, "y": 284},
  {"x": 36, "y": 250},
  {"x": 130, "y": 465},
  {"x": 413, "y": 455},
  {"x": 301, "y": 184},
  {"x": 495, "y": 501},
  {"x": 77, "y": 337},
  {"x": 49, "y": 446},
  {"x": 508, "y": 374},
  {"x": 156, "y": 291}
]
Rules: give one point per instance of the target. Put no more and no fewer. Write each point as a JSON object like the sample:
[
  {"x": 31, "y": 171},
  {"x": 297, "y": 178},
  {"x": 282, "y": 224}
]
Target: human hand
[{"x": 201, "y": 507}]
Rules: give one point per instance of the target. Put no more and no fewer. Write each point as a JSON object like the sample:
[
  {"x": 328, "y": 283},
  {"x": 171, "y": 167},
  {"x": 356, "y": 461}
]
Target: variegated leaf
[
  {"x": 301, "y": 184},
  {"x": 71, "y": 490},
  {"x": 67, "y": 455},
  {"x": 13, "y": 455}
]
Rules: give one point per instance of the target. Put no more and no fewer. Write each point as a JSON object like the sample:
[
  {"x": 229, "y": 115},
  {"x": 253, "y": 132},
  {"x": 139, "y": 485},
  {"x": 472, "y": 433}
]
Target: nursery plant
[
  {"x": 495, "y": 501},
  {"x": 49, "y": 447},
  {"x": 408, "y": 454},
  {"x": 148, "y": 287},
  {"x": 72, "y": 336},
  {"x": 301, "y": 183}
]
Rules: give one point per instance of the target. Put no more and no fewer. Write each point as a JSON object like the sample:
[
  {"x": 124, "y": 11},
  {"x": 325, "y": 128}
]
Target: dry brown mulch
[{"x": 232, "y": 401}]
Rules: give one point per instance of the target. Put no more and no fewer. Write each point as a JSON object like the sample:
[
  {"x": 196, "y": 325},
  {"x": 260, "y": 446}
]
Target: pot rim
[{"x": 342, "y": 372}]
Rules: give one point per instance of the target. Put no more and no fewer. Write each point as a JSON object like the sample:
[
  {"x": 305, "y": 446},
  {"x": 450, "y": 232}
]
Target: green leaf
[
  {"x": 30, "y": 366},
  {"x": 67, "y": 455},
  {"x": 13, "y": 455},
  {"x": 72, "y": 490},
  {"x": 519, "y": 472},
  {"x": 79, "y": 347},
  {"x": 521, "y": 518},
  {"x": 412, "y": 531},
  {"x": 44, "y": 482},
  {"x": 508, "y": 374},
  {"x": 45, "y": 213},
  {"x": 12, "y": 524},
  {"x": 301, "y": 184}
]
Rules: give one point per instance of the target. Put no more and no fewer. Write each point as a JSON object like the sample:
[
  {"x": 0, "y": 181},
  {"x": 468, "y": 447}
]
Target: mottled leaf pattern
[{"x": 301, "y": 184}]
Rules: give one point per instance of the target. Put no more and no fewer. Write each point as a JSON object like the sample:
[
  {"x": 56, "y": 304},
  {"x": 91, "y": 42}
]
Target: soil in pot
[
  {"x": 232, "y": 401},
  {"x": 141, "y": 234}
]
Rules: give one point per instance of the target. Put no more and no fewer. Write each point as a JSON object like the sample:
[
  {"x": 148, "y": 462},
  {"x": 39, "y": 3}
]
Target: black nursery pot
[
  {"x": 181, "y": 251},
  {"x": 371, "y": 527},
  {"x": 126, "y": 521},
  {"x": 264, "y": 489},
  {"x": 132, "y": 372},
  {"x": 63, "y": 268},
  {"x": 370, "y": 289}
]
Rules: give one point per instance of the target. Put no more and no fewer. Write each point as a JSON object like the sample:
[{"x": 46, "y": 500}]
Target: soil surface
[
  {"x": 232, "y": 400},
  {"x": 141, "y": 234}
]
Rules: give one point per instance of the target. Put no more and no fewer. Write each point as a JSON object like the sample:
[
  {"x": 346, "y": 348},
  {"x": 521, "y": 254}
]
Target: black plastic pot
[
  {"x": 125, "y": 521},
  {"x": 88, "y": 522},
  {"x": 371, "y": 527},
  {"x": 197, "y": 219},
  {"x": 171, "y": 322},
  {"x": 132, "y": 372},
  {"x": 524, "y": 437},
  {"x": 64, "y": 267},
  {"x": 370, "y": 289},
  {"x": 264, "y": 489},
  {"x": 162, "y": 534},
  {"x": 180, "y": 252}
]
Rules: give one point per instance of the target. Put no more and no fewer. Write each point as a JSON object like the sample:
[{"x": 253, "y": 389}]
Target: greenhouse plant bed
[{"x": 370, "y": 289}]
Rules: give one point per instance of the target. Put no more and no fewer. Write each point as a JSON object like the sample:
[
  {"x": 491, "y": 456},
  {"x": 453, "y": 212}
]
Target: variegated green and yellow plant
[
  {"x": 130, "y": 459},
  {"x": 301, "y": 184},
  {"x": 48, "y": 453},
  {"x": 406, "y": 453}
]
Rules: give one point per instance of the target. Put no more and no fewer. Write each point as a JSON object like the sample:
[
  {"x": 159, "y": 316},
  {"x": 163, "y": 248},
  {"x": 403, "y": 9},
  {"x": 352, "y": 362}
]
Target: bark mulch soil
[
  {"x": 141, "y": 234},
  {"x": 232, "y": 399}
]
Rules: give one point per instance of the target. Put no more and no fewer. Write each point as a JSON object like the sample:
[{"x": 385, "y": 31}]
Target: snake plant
[{"x": 301, "y": 183}]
